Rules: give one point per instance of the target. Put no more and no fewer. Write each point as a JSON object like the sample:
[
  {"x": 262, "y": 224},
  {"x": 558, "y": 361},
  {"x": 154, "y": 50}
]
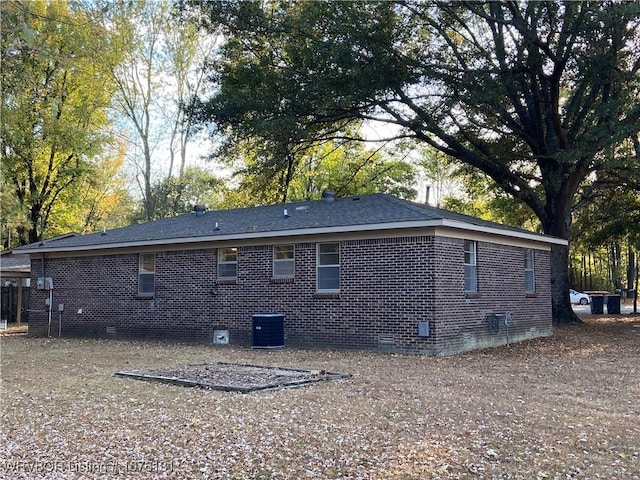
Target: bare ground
[{"x": 565, "y": 407}]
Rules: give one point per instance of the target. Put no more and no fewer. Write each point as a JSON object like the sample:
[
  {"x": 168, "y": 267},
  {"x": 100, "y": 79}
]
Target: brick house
[{"x": 371, "y": 272}]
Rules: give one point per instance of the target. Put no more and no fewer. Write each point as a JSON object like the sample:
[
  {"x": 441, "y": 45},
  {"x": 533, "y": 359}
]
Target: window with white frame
[
  {"x": 146, "y": 273},
  {"x": 283, "y": 261},
  {"x": 227, "y": 263},
  {"x": 529, "y": 273},
  {"x": 470, "y": 266},
  {"x": 328, "y": 268}
]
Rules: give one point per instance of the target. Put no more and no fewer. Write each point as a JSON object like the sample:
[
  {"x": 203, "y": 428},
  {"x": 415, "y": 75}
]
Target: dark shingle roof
[
  {"x": 14, "y": 265},
  {"x": 269, "y": 220}
]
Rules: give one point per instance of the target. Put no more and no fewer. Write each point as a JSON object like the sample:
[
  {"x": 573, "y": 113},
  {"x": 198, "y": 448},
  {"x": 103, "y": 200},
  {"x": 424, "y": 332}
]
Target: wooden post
[{"x": 19, "y": 307}]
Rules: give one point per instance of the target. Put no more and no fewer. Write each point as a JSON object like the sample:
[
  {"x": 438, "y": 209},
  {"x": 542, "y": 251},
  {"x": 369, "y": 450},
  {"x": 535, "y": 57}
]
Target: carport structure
[{"x": 15, "y": 268}]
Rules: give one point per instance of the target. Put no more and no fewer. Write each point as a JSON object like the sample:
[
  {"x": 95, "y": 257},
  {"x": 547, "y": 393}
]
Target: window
[
  {"x": 146, "y": 273},
  {"x": 529, "y": 277},
  {"x": 470, "y": 267},
  {"x": 227, "y": 263},
  {"x": 283, "y": 261},
  {"x": 328, "y": 268}
]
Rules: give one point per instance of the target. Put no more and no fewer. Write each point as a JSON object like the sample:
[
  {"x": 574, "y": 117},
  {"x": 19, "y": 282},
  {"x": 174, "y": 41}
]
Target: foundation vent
[{"x": 221, "y": 337}]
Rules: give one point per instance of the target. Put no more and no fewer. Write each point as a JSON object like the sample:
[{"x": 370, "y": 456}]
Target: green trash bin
[
  {"x": 613, "y": 305},
  {"x": 597, "y": 304}
]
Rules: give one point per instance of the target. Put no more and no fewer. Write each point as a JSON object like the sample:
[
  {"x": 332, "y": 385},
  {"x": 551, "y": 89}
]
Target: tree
[
  {"x": 174, "y": 196},
  {"x": 347, "y": 168},
  {"x": 608, "y": 226},
  {"x": 54, "y": 100},
  {"x": 187, "y": 52},
  {"x": 158, "y": 79},
  {"x": 279, "y": 139},
  {"x": 440, "y": 174},
  {"x": 483, "y": 199},
  {"x": 101, "y": 200},
  {"x": 532, "y": 94}
]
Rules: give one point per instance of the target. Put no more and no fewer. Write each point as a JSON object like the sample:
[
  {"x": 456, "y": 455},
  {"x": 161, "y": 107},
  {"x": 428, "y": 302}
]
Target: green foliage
[
  {"x": 101, "y": 200},
  {"x": 270, "y": 109},
  {"x": 608, "y": 219},
  {"x": 530, "y": 94},
  {"x": 483, "y": 199},
  {"x": 346, "y": 168},
  {"x": 54, "y": 100},
  {"x": 173, "y": 196},
  {"x": 611, "y": 204},
  {"x": 614, "y": 213},
  {"x": 533, "y": 94}
]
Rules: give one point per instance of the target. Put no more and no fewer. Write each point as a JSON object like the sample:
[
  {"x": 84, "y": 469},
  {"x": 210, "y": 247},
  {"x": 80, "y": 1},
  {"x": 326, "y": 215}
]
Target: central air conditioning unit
[{"x": 268, "y": 330}]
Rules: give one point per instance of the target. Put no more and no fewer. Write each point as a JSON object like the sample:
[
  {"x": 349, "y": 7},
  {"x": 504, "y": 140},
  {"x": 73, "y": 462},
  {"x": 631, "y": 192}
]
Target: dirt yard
[{"x": 565, "y": 407}]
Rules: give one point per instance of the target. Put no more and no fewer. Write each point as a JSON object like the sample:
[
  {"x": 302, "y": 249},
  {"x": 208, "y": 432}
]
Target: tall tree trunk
[
  {"x": 560, "y": 303},
  {"x": 36, "y": 224},
  {"x": 635, "y": 292},
  {"x": 631, "y": 262},
  {"x": 149, "y": 201},
  {"x": 572, "y": 270},
  {"x": 616, "y": 261},
  {"x": 557, "y": 222}
]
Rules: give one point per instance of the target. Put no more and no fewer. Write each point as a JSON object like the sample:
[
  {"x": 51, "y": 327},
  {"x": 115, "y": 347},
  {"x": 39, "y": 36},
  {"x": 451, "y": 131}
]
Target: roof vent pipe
[
  {"x": 328, "y": 196},
  {"x": 199, "y": 210}
]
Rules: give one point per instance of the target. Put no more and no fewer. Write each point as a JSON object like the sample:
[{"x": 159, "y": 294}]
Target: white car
[{"x": 579, "y": 298}]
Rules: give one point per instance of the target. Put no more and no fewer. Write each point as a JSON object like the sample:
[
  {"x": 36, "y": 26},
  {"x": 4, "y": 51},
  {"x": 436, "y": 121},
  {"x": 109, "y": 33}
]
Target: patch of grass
[{"x": 559, "y": 407}]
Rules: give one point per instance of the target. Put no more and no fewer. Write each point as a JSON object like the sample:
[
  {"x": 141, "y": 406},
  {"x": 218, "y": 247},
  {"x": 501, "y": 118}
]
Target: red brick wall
[
  {"x": 462, "y": 318},
  {"x": 386, "y": 287}
]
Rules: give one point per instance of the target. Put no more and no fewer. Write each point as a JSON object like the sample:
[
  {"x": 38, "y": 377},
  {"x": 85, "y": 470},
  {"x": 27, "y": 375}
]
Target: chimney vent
[{"x": 328, "y": 196}]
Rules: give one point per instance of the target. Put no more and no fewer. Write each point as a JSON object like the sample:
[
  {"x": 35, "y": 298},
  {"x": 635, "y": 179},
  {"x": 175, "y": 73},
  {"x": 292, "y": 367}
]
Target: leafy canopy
[
  {"x": 54, "y": 100},
  {"x": 533, "y": 94}
]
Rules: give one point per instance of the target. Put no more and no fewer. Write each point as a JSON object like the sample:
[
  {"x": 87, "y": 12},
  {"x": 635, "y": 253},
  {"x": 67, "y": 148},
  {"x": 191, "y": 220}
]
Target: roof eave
[
  {"x": 521, "y": 234},
  {"x": 306, "y": 232}
]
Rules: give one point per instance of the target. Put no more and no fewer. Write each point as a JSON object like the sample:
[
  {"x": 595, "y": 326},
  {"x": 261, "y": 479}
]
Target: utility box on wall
[
  {"x": 45, "y": 283},
  {"x": 423, "y": 329}
]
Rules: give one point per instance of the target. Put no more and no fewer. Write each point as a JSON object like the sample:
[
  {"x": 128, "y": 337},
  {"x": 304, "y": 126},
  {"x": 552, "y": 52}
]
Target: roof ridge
[{"x": 418, "y": 208}]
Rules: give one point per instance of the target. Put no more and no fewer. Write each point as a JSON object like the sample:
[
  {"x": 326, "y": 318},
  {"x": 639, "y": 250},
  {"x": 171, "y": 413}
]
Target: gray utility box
[{"x": 268, "y": 330}]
